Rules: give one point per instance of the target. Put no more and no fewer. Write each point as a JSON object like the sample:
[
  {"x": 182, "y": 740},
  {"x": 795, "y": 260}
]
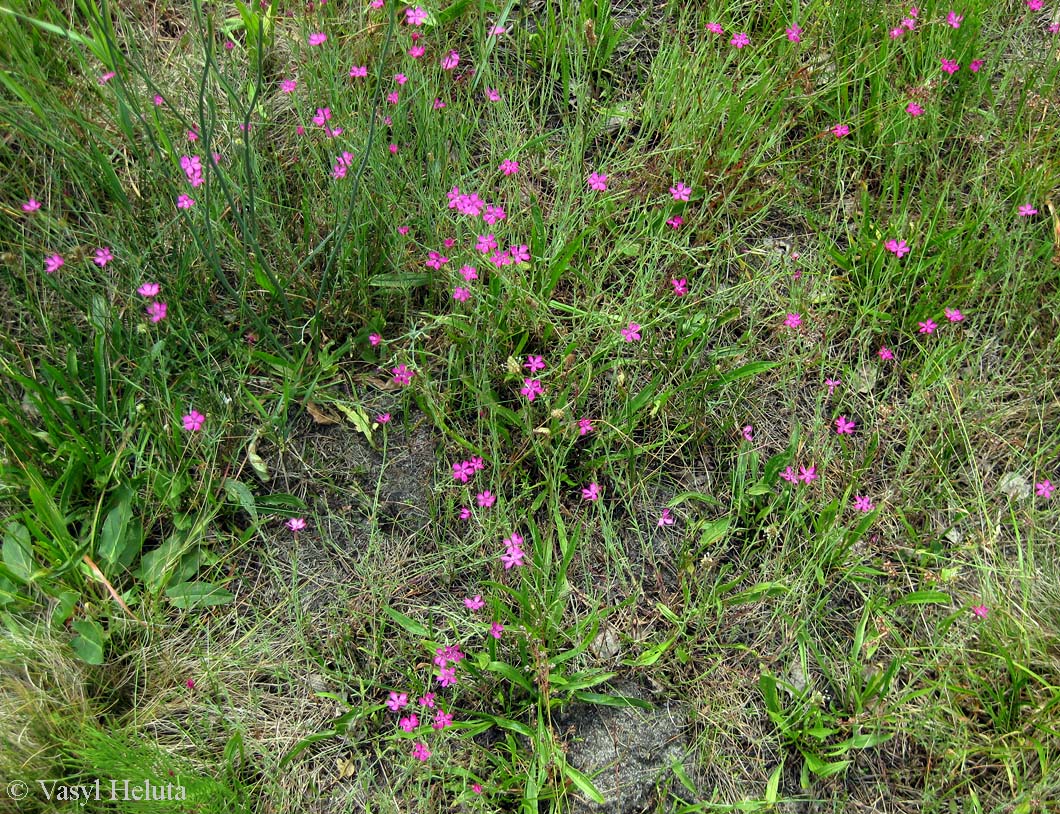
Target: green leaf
[
  {"x": 651, "y": 655},
  {"x": 925, "y": 598},
  {"x": 18, "y": 551},
  {"x": 584, "y": 784},
  {"x": 758, "y": 592},
  {"x": 88, "y": 643},
  {"x": 112, "y": 538},
  {"x": 357, "y": 416},
  {"x": 618, "y": 701},
  {"x": 64, "y": 608},
  {"x": 449, "y": 14},
  {"x": 411, "y": 625},
  {"x": 821, "y": 767},
  {"x": 714, "y": 531},
  {"x": 512, "y": 674},
  {"x": 190, "y": 595},
  {"x": 743, "y": 372},
  {"x": 401, "y": 280},
  {"x": 241, "y": 494}
]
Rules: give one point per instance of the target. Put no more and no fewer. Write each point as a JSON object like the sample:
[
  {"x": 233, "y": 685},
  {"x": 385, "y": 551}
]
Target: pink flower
[
  {"x": 665, "y": 519},
  {"x": 441, "y": 719},
  {"x": 474, "y": 603},
  {"x": 1026, "y": 210},
  {"x": 897, "y": 32},
  {"x": 840, "y": 130},
  {"x": 843, "y": 426},
  {"x": 420, "y": 751},
  {"x": 789, "y": 475},
  {"x": 509, "y": 167},
  {"x": 447, "y": 676},
  {"x": 148, "y": 290},
  {"x": 897, "y": 247},
  {"x": 794, "y": 33},
  {"x": 954, "y": 315},
  {"x": 585, "y": 426},
  {"x": 103, "y": 256},
  {"x": 1034, "y": 5},
  {"x": 493, "y": 214},
  {"x": 531, "y": 389},
  {"x": 675, "y": 222},
  {"x": 927, "y": 327},
  {"x": 980, "y": 611},
  {"x": 476, "y": 788},
  {"x": 953, "y": 19},
  {"x": 296, "y": 524},
  {"x": 190, "y": 683},
  {"x": 863, "y": 503},
  {"x": 913, "y": 109},
  {"x": 807, "y": 474},
  {"x": 465, "y": 513},
  {"x": 409, "y": 722},
  {"x": 740, "y": 40},
  {"x": 415, "y": 16},
  {"x": 680, "y": 192},
  {"x": 631, "y": 333},
  {"x": 156, "y": 311},
  {"x": 427, "y": 700},
  {"x": 714, "y": 28},
  {"x": 288, "y": 85},
  {"x": 469, "y": 272},
  {"x": 393, "y": 98},
  {"x": 477, "y": 463},
  {"x": 680, "y": 286},
  {"x": 1044, "y": 489},
  {"x": 158, "y": 100},
  {"x": 450, "y": 61},
  {"x": 909, "y": 23},
  {"x": 193, "y": 421},
  {"x": 534, "y": 363},
  {"x": 492, "y": 95},
  {"x": 950, "y": 66},
  {"x": 185, "y": 202},
  {"x": 747, "y": 431},
  {"x": 402, "y": 375},
  {"x": 461, "y": 294},
  {"x": 105, "y": 78},
  {"x": 885, "y": 353},
  {"x": 358, "y": 71},
  {"x": 318, "y": 38},
  {"x": 463, "y": 471},
  {"x": 597, "y": 182},
  {"x": 485, "y": 499},
  {"x": 496, "y": 629},
  {"x": 397, "y": 701},
  {"x": 486, "y": 244},
  {"x": 32, "y": 205},
  {"x": 383, "y": 418},
  {"x": 793, "y": 320},
  {"x": 975, "y": 65},
  {"x": 832, "y": 384},
  {"x": 591, "y": 492},
  {"x": 53, "y": 263},
  {"x": 193, "y": 136},
  {"x": 374, "y": 339}
]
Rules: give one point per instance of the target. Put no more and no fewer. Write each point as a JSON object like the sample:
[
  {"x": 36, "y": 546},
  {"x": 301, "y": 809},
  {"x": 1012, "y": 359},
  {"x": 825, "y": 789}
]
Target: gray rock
[{"x": 627, "y": 752}]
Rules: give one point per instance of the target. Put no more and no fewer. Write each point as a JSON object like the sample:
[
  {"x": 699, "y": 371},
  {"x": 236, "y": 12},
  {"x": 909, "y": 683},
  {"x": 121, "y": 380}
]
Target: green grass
[{"x": 160, "y": 619}]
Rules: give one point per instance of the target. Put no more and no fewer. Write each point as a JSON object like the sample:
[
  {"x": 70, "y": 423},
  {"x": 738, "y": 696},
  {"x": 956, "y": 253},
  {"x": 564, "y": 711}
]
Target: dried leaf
[
  {"x": 257, "y": 463},
  {"x": 318, "y": 415},
  {"x": 358, "y": 417}
]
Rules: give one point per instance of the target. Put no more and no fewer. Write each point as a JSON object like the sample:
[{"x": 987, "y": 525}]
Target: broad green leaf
[
  {"x": 618, "y": 701},
  {"x": 584, "y": 784},
  {"x": 64, "y": 608},
  {"x": 112, "y": 537},
  {"x": 88, "y": 643},
  {"x": 190, "y": 595},
  {"x": 401, "y": 280},
  {"x": 18, "y": 551},
  {"x": 925, "y": 598},
  {"x": 241, "y": 494},
  {"x": 411, "y": 625},
  {"x": 742, "y": 372}
]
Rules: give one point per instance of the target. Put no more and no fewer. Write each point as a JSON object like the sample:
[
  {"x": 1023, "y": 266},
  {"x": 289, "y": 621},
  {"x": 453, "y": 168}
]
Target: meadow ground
[{"x": 552, "y": 406}]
